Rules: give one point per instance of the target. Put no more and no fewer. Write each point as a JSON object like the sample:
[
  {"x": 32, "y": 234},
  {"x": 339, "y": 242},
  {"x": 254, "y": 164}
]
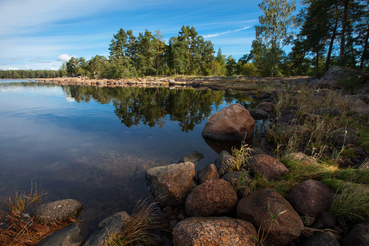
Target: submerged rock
[
  {"x": 233, "y": 123},
  {"x": 214, "y": 231},
  {"x": 194, "y": 157},
  {"x": 68, "y": 236}
]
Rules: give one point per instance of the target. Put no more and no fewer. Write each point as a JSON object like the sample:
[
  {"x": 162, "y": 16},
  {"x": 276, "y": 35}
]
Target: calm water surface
[{"x": 95, "y": 144}]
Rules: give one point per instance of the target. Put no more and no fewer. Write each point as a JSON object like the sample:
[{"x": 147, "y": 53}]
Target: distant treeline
[{"x": 23, "y": 74}]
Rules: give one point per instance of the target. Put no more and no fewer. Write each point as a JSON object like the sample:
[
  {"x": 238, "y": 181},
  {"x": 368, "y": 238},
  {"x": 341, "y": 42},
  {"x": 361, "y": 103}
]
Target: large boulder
[
  {"x": 260, "y": 206},
  {"x": 170, "y": 185},
  {"x": 233, "y": 123},
  {"x": 212, "y": 198},
  {"x": 269, "y": 166},
  {"x": 223, "y": 161},
  {"x": 214, "y": 231},
  {"x": 358, "y": 236},
  {"x": 108, "y": 228},
  {"x": 311, "y": 198},
  {"x": 207, "y": 173},
  {"x": 68, "y": 236},
  {"x": 57, "y": 210}
]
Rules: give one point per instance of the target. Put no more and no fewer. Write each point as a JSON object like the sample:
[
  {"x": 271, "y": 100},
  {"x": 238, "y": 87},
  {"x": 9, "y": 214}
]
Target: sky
[{"x": 42, "y": 34}]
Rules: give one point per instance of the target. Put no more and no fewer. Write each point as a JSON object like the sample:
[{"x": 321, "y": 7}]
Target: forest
[{"x": 322, "y": 34}]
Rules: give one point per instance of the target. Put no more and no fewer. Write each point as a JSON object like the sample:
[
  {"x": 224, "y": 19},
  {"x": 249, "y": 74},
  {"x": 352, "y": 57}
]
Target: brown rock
[
  {"x": 259, "y": 207},
  {"x": 170, "y": 185},
  {"x": 212, "y": 198},
  {"x": 214, "y": 231},
  {"x": 207, "y": 173},
  {"x": 58, "y": 210},
  {"x": 223, "y": 161},
  {"x": 269, "y": 166},
  {"x": 358, "y": 236},
  {"x": 311, "y": 198},
  {"x": 233, "y": 123}
]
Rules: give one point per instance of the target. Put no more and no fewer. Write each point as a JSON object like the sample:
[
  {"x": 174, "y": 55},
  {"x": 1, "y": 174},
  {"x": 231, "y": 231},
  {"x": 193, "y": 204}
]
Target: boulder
[
  {"x": 234, "y": 177},
  {"x": 212, "y": 198},
  {"x": 328, "y": 111},
  {"x": 214, "y": 231},
  {"x": 259, "y": 207},
  {"x": 57, "y": 210},
  {"x": 233, "y": 123},
  {"x": 68, "y": 236},
  {"x": 320, "y": 239},
  {"x": 311, "y": 198},
  {"x": 358, "y": 236},
  {"x": 108, "y": 228},
  {"x": 289, "y": 110},
  {"x": 170, "y": 185},
  {"x": 258, "y": 114},
  {"x": 194, "y": 157},
  {"x": 207, "y": 173},
  {"x": 223, "y": 161},
  {"x": 264, "y": 95},
  {"x": 325, "y": 220},
  {"x": 302, "y": 158},
  {"x": 269, "y": 166},
  {"x": 290, "y": 119},
  {"x": 266, "y": 106}
]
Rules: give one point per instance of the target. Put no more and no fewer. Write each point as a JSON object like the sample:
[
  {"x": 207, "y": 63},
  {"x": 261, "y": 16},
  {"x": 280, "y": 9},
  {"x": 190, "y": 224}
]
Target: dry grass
[
  {"x": 137, "y": 229},
  {"x": 17, "y": 228}
]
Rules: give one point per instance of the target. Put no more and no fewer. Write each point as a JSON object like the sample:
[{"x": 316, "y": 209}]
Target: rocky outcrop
[
  {"x": 214, "y": 231},
  {"x": 311, "y": 198},
  {"x": 267, "y": 165},
  {"x": 68, "y": 236},
  {"x": 223, "y": 161},
  {"x": 233, "y": 123},
  {"x": 170, "y": 185},
  {"x": 108, "y": 228},
  {"x": 212, "y": 198},
  {"x": 58, "y": 210},
  {"x": 207, "y": 173},
  {"x": 259, "y": 207}
]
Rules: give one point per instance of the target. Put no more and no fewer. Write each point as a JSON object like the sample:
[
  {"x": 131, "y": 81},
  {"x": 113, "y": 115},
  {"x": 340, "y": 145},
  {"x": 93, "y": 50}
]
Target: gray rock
[
  {"x": 342, "y": 137},
  {"x": 358, "y": 236},
  {"x": 290, "y": 119},
  {"x": 223, "y": 161},
  {"x": 258, "y": 114},
  {"x": 68, "y": 236},
  {"x": 328, "y": 111},
  {"x": 57, "y": 210},
  {"x": 266, "y": 106},
  {"x": 320, "y": 239},
  {"x": 194, "y": 157},
  {"x": 264, "y": 95},
  {"x": 170, "y": 185},
  {"x": 207, "y": 173},
  {"x": 108, "y": 228},
  {"x": 289, "y": 110}
]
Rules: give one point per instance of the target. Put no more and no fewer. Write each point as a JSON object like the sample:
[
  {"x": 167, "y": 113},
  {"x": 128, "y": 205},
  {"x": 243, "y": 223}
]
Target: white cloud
[
  {"x": 222, "y": 33},
  {"x": 64, "y": 58}
]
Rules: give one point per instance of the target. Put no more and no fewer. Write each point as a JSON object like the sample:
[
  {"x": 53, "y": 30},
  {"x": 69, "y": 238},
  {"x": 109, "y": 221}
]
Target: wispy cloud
[{"x": 222, "y": 33}]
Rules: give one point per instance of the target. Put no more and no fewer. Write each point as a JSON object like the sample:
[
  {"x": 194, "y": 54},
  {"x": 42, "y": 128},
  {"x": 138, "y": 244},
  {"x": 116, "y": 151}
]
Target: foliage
[
  {"x": 241, "y": 155},
  {"x": 24, "y": 74}
]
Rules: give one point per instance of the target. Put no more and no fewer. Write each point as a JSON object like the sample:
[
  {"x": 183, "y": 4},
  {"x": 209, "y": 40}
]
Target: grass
[
  {"x": 18, "y": 228},
  {"x": 241, "y": 155},
  {"x": 137, "y": 229}
]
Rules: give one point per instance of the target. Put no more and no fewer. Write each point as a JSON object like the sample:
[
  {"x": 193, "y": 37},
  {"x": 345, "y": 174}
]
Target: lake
[{"x": 95, "y": 144}]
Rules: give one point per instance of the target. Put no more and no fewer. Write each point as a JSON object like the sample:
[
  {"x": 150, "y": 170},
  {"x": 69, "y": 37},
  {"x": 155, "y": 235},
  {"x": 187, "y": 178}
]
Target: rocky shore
[{"x": 219, "y": 205}]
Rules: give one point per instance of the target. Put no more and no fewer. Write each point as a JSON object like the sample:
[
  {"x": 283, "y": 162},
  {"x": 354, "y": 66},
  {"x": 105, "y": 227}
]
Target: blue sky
[{"x": 41, "y": 34}]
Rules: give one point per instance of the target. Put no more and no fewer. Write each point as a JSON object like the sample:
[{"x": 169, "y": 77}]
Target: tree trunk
[
  {"x": 331, "y": 43},
  {"x": 365, "y": 50},
  {"x": 343, "y": 34}
]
